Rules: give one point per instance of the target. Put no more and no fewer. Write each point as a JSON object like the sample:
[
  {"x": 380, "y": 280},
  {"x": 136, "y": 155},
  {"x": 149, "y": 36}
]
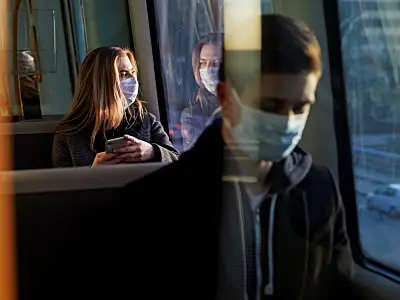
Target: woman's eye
[{"x": 126, "y": 75}]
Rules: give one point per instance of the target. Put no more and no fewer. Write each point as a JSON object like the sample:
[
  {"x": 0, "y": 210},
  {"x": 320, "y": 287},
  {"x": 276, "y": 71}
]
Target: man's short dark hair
[{"x": 288, "y": 46}]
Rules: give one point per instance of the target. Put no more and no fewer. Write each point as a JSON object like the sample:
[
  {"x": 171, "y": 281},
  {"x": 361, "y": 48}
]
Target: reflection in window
[
  {"x": 183, "y": 85},
  {"x": 42, "y": 69},
  {"x": 371, "y": 54},
  {"x": 29, "y": 87},
  {"x": 206, "y": 59}
]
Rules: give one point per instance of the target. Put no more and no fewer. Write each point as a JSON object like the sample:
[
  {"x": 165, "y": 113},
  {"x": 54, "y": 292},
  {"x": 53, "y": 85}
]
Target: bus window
[
  {"x": 371, "y": 61},
  {"x": 41, "y": 66},
  {"x": 189, "y": 81},
  {"x": 177, "y": 37}
]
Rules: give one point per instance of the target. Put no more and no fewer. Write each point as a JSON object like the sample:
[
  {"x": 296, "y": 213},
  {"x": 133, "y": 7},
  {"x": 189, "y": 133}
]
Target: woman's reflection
[{"x": 206, "y": 58}]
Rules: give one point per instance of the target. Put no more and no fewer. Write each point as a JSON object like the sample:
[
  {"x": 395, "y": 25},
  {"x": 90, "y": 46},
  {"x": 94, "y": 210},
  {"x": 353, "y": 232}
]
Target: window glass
[
  {"x": 184, "y": 27},
  {"x": 181, "y": 24},
  {"x": 371, "y": 54},
  {"x": 106, "y": 23},
  {"x": 42, "y": 69},
  {"x": 389, "y": 193}
]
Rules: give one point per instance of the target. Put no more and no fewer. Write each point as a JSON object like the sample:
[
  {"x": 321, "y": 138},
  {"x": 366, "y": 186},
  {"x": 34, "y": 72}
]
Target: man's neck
[
  {"x": 262, "y": 170},
  {"x": 259, "y": 170}
]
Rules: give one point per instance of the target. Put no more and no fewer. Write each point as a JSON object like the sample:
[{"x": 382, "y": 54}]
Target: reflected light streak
[
  {"x": 7, "y": 240},
  {"x": 242, "y": 23}
]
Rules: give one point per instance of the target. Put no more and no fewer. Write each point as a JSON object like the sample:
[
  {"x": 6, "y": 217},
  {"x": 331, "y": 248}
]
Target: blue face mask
[
  {"x": 267, "y": 136},
  {"x": 130, "y": 88},
  {"x": 209, "y": 77}
]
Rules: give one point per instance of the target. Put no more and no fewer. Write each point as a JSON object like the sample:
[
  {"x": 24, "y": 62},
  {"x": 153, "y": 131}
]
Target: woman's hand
[
  {"x": 103, "y": 159},
  {"x": 136, "y": 151}
]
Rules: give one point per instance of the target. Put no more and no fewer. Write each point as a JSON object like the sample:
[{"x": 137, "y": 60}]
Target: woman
[
  {"x": 105, "y": 106},
  {"x": 206, "y": 58}
]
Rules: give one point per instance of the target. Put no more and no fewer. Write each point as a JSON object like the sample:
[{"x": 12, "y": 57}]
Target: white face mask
[
  {"x": 130, "y": 88},
  {"x": 209, "y": 77},
  {"x": 267, "y": 136}
]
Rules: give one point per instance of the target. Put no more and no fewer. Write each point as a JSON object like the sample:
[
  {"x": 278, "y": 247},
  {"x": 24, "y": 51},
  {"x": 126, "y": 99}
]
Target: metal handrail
[
  {"x": 33, "y": 45},
  {"x": 15, "y": 58}
]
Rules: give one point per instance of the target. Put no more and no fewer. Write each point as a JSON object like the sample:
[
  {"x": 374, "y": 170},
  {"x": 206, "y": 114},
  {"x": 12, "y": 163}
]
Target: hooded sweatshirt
[
  {"x": 287, "y": 243},
  {"x": 248, "y": 225}
]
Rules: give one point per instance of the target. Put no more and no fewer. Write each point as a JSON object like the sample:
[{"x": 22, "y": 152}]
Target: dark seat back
[
  {"x": 69, "y": 233},
  {"x": 32, "y": 144}
]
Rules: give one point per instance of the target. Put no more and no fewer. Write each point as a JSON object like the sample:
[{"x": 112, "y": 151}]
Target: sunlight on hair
[
  {"x": 242, "y": 22},
  {"x": 98, "y": 99}
]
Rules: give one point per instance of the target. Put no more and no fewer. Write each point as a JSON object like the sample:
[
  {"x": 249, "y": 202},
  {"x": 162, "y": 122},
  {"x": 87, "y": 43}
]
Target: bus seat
[
  {"x": 69, "y": 235},
  {"x": 32, "y": 143}
]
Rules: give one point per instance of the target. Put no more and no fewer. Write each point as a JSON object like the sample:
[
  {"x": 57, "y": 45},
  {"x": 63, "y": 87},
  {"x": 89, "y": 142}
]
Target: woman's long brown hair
[{"x": 98, "y": 102}]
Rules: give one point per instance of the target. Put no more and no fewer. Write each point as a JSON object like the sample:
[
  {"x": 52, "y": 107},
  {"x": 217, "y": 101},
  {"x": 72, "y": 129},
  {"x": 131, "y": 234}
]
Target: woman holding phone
[{"x": 106, "y": 107}]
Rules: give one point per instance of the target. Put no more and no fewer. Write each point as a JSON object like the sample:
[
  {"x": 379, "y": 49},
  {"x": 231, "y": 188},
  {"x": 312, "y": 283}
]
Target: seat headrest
[{"x": 82, "y": 178}]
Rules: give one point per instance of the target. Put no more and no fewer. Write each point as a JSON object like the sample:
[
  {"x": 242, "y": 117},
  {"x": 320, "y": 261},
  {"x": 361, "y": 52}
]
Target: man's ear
[
  {"x": 223, "y": 94},
  {"x": 229, "y": 108}
]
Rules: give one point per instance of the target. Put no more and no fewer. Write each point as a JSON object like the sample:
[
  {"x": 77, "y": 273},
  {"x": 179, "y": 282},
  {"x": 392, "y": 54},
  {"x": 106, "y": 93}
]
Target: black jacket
[
  {"x": 73, "y": 150},
  {"x": 198, "y": 238},
  {"x": 195, "y": 116}
]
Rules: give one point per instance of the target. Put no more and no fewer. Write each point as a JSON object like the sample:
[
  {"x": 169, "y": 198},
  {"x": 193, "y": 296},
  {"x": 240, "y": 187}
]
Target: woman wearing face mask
[
  {"x": 106, "y": 106},
  {"x": 206, "y": 58}
]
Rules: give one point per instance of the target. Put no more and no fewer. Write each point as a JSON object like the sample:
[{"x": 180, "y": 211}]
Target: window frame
[
  {"x": 70, "y": 36},
  {"x": 158, "y": 70},
  {"x": 343, "y": 142}
]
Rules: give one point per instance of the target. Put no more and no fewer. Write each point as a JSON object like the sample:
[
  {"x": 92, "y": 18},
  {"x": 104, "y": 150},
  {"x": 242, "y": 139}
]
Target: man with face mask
[{"x": 253, "y": 218}]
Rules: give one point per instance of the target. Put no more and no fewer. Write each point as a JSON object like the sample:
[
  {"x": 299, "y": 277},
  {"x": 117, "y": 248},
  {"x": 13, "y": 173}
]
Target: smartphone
[{"x": 114, "y": 144}]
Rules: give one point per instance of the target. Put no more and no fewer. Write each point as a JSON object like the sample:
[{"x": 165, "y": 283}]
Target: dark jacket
[
  {"x": 195, "y": 116},
  {"x": 74, "y": 150},
  {"x": 201, "y": 239},
  {"x": 31, "y": 107}
]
